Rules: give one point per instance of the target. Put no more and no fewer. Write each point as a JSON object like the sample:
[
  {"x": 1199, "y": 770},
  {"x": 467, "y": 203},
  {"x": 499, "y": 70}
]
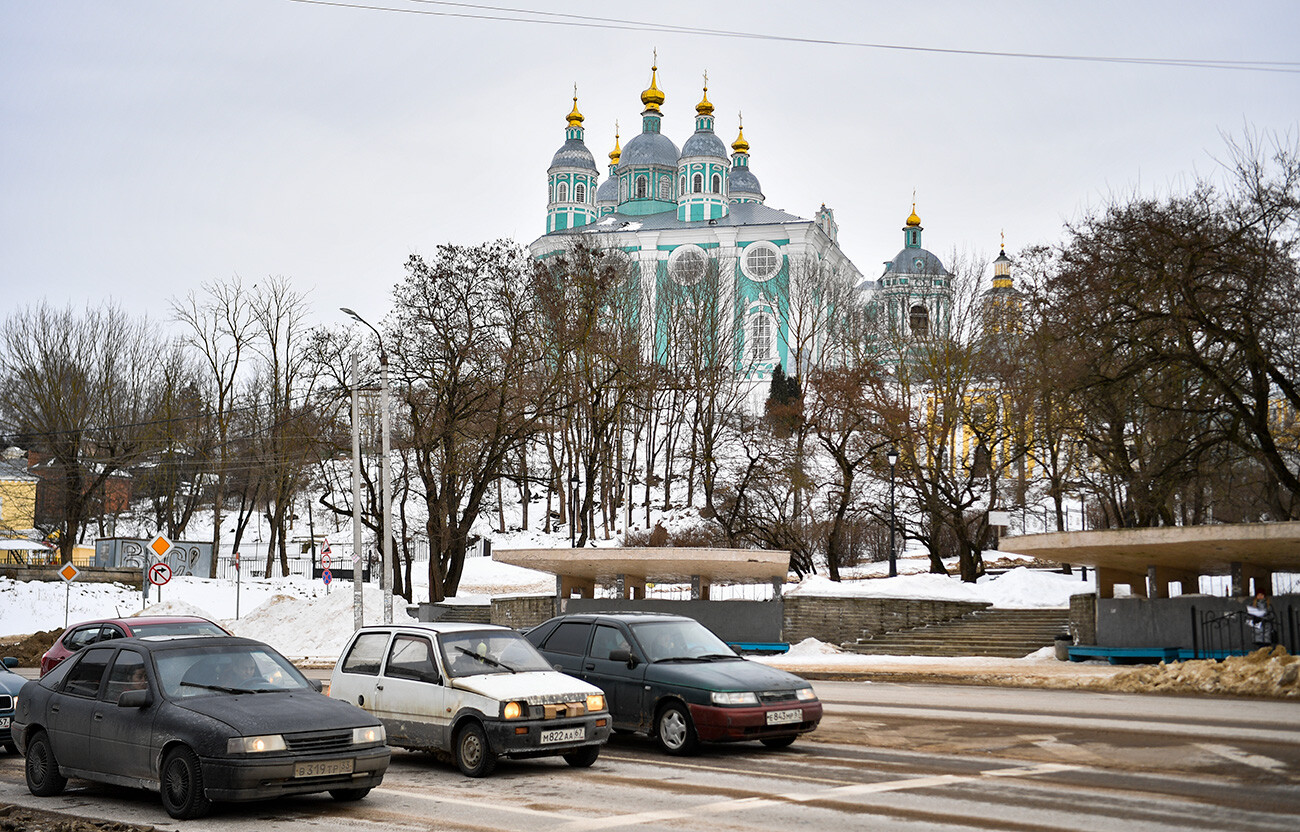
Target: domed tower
[
  {"x": 916, "y": 287},
  {"x": 647, "y": 168},
  {"x": 742, "y": 184},
  {"x": 607, "y": 194},
  {"x": 571, "y": 179},
  {"x": 702, "y": 169},
  {"x": 1002, "y": 304}
]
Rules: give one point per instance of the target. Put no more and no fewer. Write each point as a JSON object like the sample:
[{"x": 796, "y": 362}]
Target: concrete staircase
[{"x": 990, "y": 632}]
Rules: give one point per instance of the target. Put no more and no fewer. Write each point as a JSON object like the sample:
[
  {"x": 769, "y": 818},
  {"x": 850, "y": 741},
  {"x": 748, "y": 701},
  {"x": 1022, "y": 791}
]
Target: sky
[{"x": 150, "y": 146}]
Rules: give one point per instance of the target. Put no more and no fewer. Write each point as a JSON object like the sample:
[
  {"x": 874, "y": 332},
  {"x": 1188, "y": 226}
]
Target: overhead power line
[{"x": 479, "y": 11}]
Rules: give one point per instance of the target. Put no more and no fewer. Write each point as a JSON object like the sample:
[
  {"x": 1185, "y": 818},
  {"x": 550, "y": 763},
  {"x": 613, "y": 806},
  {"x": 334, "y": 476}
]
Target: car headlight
[
  {"x": 595, "y": 702},
  {"x": 369, "y": 734},
  {"x": 806, "y": 694},
  {"x": 740, "y": 697},
  {"x": 255, "y": 745},
  {"x": 512, "y": 710}
]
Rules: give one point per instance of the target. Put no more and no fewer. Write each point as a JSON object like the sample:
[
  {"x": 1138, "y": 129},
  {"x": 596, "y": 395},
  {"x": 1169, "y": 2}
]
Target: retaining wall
[{"x": 846, "y": 620}]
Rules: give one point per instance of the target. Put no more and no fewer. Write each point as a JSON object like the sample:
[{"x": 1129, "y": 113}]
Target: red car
[{"x": 89, "y": 632}]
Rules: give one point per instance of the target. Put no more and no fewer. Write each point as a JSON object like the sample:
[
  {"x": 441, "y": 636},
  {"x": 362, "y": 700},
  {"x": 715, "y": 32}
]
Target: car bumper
[
  {"x": 717, "y": 724},
  {"x": 505, "y": 737},
  {"x": 253, "y": 779}
]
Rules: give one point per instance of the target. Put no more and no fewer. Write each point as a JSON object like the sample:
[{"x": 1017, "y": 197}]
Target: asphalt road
[{"x": 906, "y": 757}]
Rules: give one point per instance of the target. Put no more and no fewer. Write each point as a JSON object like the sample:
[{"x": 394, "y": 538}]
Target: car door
[
  {"x": 411, "y": 698},
  {"x": 566, "y": 647},
  {"x": 624, "y": 686},
  {"x": 125, "y": 735},
  {"x": 72, "y": 708},
  {"x": 356, "y": 678}
]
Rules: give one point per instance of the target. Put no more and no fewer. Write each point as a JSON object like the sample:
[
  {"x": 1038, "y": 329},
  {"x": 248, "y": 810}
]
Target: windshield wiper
[
  {"x": 221, "y": 688},
  {"x": 719, "y": 656},
  {"x": 487, "y": 660}
]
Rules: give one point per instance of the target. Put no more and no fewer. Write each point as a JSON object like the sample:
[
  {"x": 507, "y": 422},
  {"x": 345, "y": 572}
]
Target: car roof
[
  {"x": 434, "y": 627},
  {"x": 135, "y": 620},
  {"x": 630, "y": 616},
  {"x": 167, "y": 642}
]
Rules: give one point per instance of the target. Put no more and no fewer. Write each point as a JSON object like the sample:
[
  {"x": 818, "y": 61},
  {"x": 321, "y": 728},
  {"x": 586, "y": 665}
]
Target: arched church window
[
  {"x": 697, "y": 183},
  {"x": 564, "y": 192},
  {"x": 918, "y": 321},
  {"x": 717, "y": 184},
  {"x": 579, "y": 193},
  {"x": 622, "y": 190},
  {"x": 681, "y": 187},
  {"x": 666, "y": 188},
  {"x": 914, "y": 238},
  {"x": 760, "y": 336},
  {"x": 641, "y": 186}
]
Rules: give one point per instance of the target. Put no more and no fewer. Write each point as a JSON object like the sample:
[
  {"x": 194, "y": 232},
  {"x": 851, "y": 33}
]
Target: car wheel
[
  {"x": 348, "y": 795},
  {"x": 777, "y": 742},
  {"x": 43, "y": 778},
  {"x": 182, "y": 785},
  {"x": 675, "y": 732},
  {"x": 583, "y": 757},
  {"x": 473, "y": 756}
]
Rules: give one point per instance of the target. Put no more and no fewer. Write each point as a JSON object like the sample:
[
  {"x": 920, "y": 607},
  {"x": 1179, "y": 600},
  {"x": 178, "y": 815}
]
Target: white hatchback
[{"x": 473, "y": 692}]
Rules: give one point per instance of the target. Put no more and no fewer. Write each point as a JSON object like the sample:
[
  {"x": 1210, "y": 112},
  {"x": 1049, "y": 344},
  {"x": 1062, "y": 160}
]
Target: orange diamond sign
[
  {"x": 68, "y": 572},
  {"x": 160, "y": 546}
]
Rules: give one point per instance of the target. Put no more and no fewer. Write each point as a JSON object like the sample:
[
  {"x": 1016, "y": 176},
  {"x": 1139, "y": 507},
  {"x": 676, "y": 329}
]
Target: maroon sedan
[{"x": 89, "y": 632}]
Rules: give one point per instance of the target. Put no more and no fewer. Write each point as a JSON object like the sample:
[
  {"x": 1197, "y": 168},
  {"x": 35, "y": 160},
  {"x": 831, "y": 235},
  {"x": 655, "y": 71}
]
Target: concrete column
[{"x": 635, "y": 587}]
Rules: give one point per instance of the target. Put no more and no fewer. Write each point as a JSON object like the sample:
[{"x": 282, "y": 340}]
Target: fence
[{"x": 1216, "y": 635}]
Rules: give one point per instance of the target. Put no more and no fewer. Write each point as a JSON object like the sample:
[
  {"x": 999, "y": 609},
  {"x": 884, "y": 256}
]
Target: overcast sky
[{"x": 148, "y": 146}]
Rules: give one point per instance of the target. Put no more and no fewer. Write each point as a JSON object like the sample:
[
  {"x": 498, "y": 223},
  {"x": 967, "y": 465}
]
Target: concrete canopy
[{"x": 581, "y": 569}]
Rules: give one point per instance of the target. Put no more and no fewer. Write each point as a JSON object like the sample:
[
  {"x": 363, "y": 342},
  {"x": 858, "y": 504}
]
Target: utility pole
[{"x": 358, "y": 619}]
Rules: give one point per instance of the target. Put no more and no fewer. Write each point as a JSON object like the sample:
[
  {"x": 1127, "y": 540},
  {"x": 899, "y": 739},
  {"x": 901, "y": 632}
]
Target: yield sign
[
  {"x": 159, "y": 574},
  {"x": 68, "y": 572}
]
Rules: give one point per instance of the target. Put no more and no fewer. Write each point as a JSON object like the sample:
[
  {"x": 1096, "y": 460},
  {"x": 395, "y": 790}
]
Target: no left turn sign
[{"x": 159, "y": 574}]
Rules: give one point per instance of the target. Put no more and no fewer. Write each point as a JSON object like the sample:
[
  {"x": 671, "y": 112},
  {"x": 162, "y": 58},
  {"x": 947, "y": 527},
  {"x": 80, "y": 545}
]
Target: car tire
[
  {"x": 474, "y": 756},
  {"x": 583, "y": 757},
  {"x": 675, "y": 732},
  {"x": 348, "y": 795},
  {"x": 43, "y": 778},
  {"x": 777, "y": 742},
  {"x": 181, "y": 781}
]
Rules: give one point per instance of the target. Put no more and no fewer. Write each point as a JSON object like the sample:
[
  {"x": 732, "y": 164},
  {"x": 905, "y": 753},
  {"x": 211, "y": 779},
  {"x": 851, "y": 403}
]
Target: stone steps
[{"x": 990, "y": 632}]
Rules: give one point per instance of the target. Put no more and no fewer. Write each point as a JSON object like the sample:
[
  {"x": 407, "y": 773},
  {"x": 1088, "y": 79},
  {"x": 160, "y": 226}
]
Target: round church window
[
  {"x": 761, "y": 262},
  {"x": 686, "y": 264}
]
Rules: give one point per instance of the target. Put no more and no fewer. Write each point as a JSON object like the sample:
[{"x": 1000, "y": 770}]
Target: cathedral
[{"x": 678, "y": 214}]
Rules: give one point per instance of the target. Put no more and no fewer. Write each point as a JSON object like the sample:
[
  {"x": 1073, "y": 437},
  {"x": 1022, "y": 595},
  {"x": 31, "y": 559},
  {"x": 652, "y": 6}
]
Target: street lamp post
[
  {"x": 573, "y": 513},
  {"x": 892, "y": 456},
  {"x": 386, "y": 479}
]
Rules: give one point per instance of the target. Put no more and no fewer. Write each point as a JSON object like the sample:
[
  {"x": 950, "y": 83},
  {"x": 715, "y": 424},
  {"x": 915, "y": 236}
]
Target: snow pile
[
  {"x": 811, "y": 647},
  {"x": 1020, "y": 588},
  {"x": 1266, "y": 672}
]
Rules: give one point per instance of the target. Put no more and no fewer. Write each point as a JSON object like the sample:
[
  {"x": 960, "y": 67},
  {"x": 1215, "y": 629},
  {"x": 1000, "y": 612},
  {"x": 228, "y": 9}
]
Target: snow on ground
[{"x": 1020, "y": 588}]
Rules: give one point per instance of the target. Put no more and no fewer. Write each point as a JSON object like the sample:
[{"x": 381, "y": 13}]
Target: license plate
[
  {"x": 564, "y": 735},
  {"x": 784, "y": 717},
  {"x": 324, "y": 768},
  {"x": 4, "y": 722}
]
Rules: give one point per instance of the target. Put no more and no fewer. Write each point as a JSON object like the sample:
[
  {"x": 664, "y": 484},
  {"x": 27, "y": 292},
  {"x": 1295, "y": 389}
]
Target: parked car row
[{"x": 215, "y": 717}]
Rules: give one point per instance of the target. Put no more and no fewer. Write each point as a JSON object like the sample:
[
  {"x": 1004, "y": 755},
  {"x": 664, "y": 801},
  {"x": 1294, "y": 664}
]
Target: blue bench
[
  {"x": 1124, "y": 655},
  {"x": 759, "y": 646}
]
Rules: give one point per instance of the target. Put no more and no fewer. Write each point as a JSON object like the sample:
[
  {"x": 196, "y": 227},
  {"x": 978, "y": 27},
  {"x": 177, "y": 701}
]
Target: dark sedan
[
  {"x": 670, "y": 677},
  {"x": 10, "y": 683},
  {"x": 197, "y": 718}
]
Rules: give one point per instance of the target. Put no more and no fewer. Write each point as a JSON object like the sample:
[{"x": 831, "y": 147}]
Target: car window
[
  {"x": 570, "y": 637},
  {"x": 109, "y": 632},
  {"x": 684, "y": 639},
  {"x": 226, "y": 669},
  {"x": 179, "y": 628},
  {"x": 475, "y": 652},
  {"x": 607, "y": 639},
  {"x": 80, "y": 637},
  {"x": 366, "y": 653},
  {"x": 128, "y": 673},
  {"x": 411, "y": 657},
  {"x": 84, "y": 678}
]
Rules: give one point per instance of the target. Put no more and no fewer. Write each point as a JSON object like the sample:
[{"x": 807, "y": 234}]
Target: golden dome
[
  {"x": 653, "y": 96},
  {"x": 575, "y": 117},
  {"x": 740, "y": 145},
  {"x": 705, "y": 107},
  {"x": 617, "y": 151},
  {"x": 913, "y": 221}
]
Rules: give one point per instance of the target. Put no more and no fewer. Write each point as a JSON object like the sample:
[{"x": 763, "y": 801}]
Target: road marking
[
  {"x": 738, "y": 771},
  {"x": 502, "y": 806},
  {"x": 1236, "y": 755}
]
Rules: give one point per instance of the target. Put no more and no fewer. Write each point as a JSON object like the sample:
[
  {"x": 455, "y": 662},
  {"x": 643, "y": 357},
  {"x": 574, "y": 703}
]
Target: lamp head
[{"x": 892, "y": 456}]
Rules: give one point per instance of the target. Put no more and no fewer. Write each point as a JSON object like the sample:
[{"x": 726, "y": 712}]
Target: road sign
[
  {"x": 326, "y": 576},
  {"x": 68, "y": 572},
  {"x": 325, "y": 561},
  {"x": 159, "y": 574},
  {"x": 236, "y": 561},
  {"x": 160, "y": 545}
]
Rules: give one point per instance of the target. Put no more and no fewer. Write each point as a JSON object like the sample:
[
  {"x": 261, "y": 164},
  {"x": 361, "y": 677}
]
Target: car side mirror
[
  {"x": 10, "y": 661},
  {"x": 316, "y": 685},
  {"x": 624, "y": 656},
  {"x": 134, "y": 699}
]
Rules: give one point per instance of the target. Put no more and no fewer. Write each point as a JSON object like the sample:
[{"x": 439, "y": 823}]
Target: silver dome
[
  {"x": 574, "y": 154},
  {"x": 608, "y": 191},
  {"x": 916, "y": 261},
  {"x": 742, "y": 181},
  {"x": 704, "y": 143},
  {"x": 649, "y": 149}
]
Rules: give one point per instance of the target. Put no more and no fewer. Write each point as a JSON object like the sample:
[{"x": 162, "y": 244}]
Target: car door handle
[
  {"x": 98, "y": 716},
  {"x": 589, "y": 666},
  {"x": 54, "y": 709},
  {"x": 379, "y": 687}
]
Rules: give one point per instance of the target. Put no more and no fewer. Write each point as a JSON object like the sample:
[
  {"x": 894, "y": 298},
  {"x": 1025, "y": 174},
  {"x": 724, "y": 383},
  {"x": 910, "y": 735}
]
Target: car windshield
[
  {"x": 226, "y": 669},
  {"x": 686, "y": 640},
  {"x": 489, "y": 651},
  {"x": 178, "y": 628}
]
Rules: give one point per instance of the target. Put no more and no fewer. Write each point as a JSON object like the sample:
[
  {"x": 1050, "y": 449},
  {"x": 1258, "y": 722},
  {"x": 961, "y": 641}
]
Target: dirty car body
[
  {"x": 199, "y": 719},
  {"x": 10, "y": 684},
  {"x": 471, "y": 692},
  {"x": 670, "y": 677}
]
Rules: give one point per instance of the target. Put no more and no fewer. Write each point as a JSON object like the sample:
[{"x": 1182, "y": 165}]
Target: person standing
[{"x": 1259, "y": 615}]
